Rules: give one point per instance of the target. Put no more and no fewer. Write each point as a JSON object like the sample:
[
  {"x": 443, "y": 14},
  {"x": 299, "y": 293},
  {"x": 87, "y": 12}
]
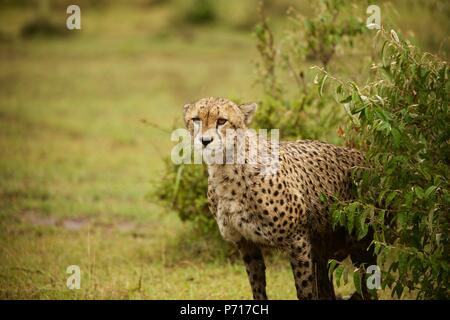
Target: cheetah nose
[{"x": 206, "y": 140}]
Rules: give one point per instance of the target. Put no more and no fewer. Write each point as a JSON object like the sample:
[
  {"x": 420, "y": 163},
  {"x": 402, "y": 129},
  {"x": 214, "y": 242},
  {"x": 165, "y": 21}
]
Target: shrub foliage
[
  {"x": 401, "y": 120},
  {"x": 290, "y": 102}
]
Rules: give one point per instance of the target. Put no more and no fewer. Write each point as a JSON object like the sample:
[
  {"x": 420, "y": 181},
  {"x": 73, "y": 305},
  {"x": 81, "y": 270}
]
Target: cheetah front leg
[{"x": 255, "y": 267}]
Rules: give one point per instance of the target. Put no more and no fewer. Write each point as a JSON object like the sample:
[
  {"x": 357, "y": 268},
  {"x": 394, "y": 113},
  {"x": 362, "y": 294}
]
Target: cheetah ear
[
  {"x": 248, "y": 110},
  {"x": 186, "y": 108}
]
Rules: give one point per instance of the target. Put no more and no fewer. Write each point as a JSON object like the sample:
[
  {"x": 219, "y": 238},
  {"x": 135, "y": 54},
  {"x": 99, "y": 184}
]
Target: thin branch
[{"x": 154, "y": 125}]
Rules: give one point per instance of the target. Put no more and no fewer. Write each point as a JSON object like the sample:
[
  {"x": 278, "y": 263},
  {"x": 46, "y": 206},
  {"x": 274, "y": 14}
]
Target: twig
[{"x": 154, "y": 125}]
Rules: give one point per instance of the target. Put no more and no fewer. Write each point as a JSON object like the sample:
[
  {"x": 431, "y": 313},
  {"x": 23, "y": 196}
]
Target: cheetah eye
[{"x": 221, "y": 122}]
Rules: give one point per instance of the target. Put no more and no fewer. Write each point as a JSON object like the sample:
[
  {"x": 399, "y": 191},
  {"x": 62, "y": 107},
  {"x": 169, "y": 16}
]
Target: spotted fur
[{"x": 281, "y": 210}]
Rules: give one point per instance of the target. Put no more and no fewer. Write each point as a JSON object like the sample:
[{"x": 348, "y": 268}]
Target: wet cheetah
[{"x": 280, "y": 209}]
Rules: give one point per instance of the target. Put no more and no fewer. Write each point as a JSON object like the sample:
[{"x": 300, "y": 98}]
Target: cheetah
[{"x": 280, "y": 209}]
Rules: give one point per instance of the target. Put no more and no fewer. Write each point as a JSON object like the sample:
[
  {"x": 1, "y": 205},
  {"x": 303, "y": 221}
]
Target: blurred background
[{"x": 85, "y": 122}]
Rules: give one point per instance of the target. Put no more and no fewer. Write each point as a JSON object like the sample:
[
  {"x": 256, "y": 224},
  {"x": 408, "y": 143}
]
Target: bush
[
  {"x": 290, "y": 102},
  {"x": 401, "y": 120},
  {"x": 183, "y": 189},
  {"x": 200, "y": 11},
  {"x": 42, "y": 26}
]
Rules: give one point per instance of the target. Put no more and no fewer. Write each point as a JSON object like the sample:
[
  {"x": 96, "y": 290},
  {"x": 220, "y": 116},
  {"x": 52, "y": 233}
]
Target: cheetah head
[{"x": 209, "y": 120}]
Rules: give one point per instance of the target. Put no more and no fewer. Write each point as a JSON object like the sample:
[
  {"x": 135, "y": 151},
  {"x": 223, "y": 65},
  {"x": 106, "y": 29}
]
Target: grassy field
[{"x": 77, "y": 160}]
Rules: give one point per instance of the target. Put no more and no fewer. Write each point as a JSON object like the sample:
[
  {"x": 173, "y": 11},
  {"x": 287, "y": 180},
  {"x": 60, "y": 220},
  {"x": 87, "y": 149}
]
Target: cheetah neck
[{"x": 264, "y": 159}]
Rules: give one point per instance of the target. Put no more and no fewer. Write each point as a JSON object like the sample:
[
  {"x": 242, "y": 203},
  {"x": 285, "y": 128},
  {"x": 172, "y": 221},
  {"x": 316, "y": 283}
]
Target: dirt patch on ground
[
  {"x": 38, "y": 220},
  {"x": 74, "y": 224},
  {"x": 78, "y": 223}
]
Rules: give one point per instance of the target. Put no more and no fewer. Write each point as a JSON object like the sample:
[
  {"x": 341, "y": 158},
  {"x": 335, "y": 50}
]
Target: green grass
[{"x": 77, "y": 161}]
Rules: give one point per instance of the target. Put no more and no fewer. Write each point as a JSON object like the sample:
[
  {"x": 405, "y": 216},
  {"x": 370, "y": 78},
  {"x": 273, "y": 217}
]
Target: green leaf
[
  {"x": 346, "y": 100},
  {"x": 381, "y": 196},
  {"x": 429, "y": 191},
  {"x": 336, "y": 217},
  {"x": 338, "y": 274},
  {"x": 398, "y": 290},
  {"x": 383, "y": 48},
  {"x": 331, "y": 267},
  {"x": 390, "y": 197},
  {"x": 387, "y": 73},
  {"x": 419, "y": 192},
  {"x": 176, "y": 186},
  {"x": 321, "y": 84},
  {"x": 396, "y": 137},
  {"x": 357, "y": 281},
  {"x": 363, "y": 225},
  {"x": 351, "y": 210},
  {"x": 359, "y": 108}
]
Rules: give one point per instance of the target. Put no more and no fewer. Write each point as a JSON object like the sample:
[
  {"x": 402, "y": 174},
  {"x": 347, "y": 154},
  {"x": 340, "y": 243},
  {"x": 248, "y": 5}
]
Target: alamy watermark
[
  {"x": 374, "y": 20},
  {"x": 374, "y": 280},
  {"x": 74, "y": 20},
  {"x": 74, "y": 280}
]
